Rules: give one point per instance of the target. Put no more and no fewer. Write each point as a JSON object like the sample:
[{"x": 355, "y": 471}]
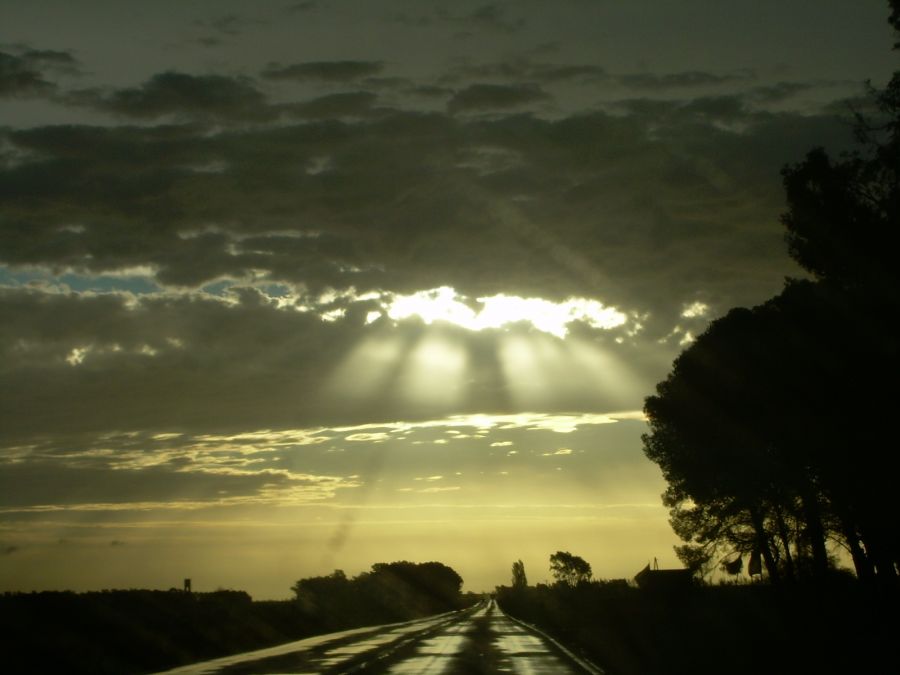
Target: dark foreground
[
  {"x": 141, "y": 631},
  {"x": 840, "y": 628},
  {"x": 825, "y": 629}
]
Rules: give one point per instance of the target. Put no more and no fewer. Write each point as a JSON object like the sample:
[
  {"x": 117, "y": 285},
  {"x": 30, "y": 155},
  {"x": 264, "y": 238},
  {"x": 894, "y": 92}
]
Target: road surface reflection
[{"x": 481, "y": 639}]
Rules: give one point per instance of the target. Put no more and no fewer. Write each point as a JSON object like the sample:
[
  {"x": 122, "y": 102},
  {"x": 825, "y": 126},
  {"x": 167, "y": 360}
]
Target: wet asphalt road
[{"x": 477, "y": 640}]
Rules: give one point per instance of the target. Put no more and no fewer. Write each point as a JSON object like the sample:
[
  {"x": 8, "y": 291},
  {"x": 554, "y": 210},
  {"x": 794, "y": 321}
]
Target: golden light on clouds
[{"x": 444, "y": 304}]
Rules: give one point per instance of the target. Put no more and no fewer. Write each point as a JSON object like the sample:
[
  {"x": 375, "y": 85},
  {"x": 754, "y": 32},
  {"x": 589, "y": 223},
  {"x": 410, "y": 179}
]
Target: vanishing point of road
[{"x": 481, "y": 639}]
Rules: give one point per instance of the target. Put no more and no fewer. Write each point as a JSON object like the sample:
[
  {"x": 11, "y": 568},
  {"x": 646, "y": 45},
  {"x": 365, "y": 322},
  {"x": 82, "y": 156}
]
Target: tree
[
  {"x": 841, "y": 222},
  {"x": 569, "y": 569},
  {"x": 754, "y": 430},
  {"x": 519, "y": 580},
  {"x": 745, "y": 429},
  {"x": 842, "y": 226},
  {"x": 761, "y": 429}
]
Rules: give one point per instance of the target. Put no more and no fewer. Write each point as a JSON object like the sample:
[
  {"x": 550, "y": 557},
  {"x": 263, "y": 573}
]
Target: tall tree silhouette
[
  {"x": 765, "y": 429},
  {"x": 843, "y": 226},
  {"x": 519, "y": 580}
]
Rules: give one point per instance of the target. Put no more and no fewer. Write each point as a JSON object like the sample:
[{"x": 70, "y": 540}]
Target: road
[{"x": 477, "y": 640}]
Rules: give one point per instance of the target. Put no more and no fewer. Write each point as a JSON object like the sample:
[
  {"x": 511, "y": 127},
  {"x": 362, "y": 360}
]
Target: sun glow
[
  {"x": 496, "y": 311},
  {"x": 434, "y": 372}
]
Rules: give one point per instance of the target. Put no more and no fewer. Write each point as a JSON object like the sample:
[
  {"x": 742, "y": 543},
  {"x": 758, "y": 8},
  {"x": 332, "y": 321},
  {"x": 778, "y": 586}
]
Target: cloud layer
[{"x": 220, "y": 229}]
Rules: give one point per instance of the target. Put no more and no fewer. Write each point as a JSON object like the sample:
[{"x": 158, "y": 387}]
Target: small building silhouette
[
  {"x": 663, "y": 580},
  {"x": 187, "y": 585}
]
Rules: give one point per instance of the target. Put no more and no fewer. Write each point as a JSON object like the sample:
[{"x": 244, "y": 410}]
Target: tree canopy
[{"x": 569, "y": 569}]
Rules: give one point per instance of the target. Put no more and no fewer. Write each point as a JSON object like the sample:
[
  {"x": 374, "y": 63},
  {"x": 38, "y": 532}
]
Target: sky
[{"x": 288, "y": 287}]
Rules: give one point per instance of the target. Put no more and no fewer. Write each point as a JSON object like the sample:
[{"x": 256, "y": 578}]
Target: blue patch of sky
[
  {"x": 275, "y": 290},
  {"x": 106, "y": 283},
  {"x": 218, "y": 287},
  {"x": 100, "y": 283}
]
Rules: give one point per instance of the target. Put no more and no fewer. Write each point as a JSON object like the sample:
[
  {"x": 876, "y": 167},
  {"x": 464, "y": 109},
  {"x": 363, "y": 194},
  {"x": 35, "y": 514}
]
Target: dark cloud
[
  {"x": 350, "y": 103},
  {"x": 390, "y": 83},
  {"x": 678, "y": 80},
  {"x": 492, "y": 16},
  {"x": 305, "y": 6},
  {"x": 430, "y": 91},
  {"x": 53, "y": 60},
  {"x": 525, "y": 70},
  {"x": 778, "y": 92},
  {"x": 215, "y": 97},
  {"x": 624, "y": 203},
  {"x": 24, "y": 74},
  {"x": 225, "y": 27},
  {"x": 323, "y": 71},
  {"x": 705, "y": 109},
  {"x": 495, "y": 97},
  {"x": 232, "y": 24}
]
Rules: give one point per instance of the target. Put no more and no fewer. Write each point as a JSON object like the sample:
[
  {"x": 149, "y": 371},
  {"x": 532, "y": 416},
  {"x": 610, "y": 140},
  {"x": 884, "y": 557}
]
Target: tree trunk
[
  {"x": 762, "y": 541},
  {"x": 880, "y": 556},
  {"x": 865, "y": 571},
  {"x": 786, "y": 544},
  {"x": 815, "y": 532}
]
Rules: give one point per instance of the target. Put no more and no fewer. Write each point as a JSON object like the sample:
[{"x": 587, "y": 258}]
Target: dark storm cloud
[
  {"x": 430, "y": 91},
  {"x": 492, "y": 16},
  {"x": 677, "y": 80},
  {"x": 24, "y": 74},
  {"x": 305, "y": 6},
  {"x": 628, "y": 207},
  {"x": 495, "y": 97},
  {"x": 230, "y": 24},
  {"x": 526, "y": 70},
  {"x": 703, "y": 110},
  {"x": 323, "y": 71},
  {"x": 778, "y": 92},
  {"x": 215, "y": 97},
  {"x": 224, "y": 28},
  {"x": 145, "y": 354},
  {"x": 350, "y": 103},
  {"x": 487, "y": 18}
]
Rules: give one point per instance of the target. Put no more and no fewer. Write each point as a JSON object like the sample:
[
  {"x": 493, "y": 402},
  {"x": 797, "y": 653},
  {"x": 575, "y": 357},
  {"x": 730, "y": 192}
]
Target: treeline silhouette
[
  {"x": 772, "y": 428},
  {"x": 140, "y": 631},
  {"x": 389, "y": 592}
]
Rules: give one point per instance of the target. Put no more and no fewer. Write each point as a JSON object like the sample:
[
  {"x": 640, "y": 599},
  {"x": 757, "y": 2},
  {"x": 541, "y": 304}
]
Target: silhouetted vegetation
[
  {"x": 140, "y": 631},
  {"x": 519, "y": 580},
  {"x": 569, "y": 569},
  {"x": 389, "y": 592},
  {"x": 736, "y": 629},
  {"x": 769, "y": 429}
]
